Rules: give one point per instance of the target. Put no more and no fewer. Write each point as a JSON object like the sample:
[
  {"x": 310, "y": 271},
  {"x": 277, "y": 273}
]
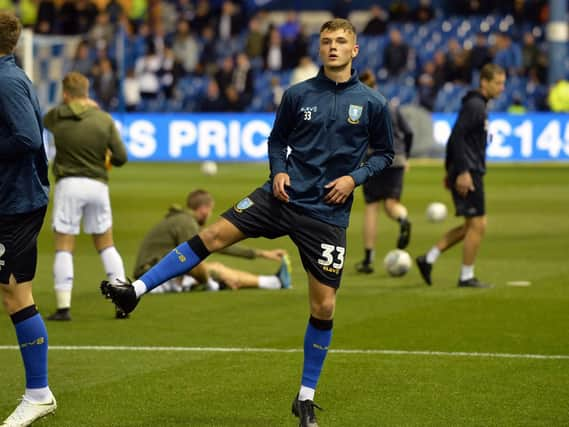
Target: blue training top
[
  {"x": 327, "y": 127},
  {"x": 24, "y": 185}
]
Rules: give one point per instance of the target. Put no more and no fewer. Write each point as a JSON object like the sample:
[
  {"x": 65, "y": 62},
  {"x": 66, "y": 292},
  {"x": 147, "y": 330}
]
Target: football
[
  {"x": 436, "y": 212},
  {"x": 209, "y": 168},
  {"x": 397, "y": 262}
]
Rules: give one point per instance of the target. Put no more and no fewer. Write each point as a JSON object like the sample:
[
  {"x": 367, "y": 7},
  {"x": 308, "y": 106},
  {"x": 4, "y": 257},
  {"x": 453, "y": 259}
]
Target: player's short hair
[
  {"x": 489, "y": 71},
  {"x": 367, "y": 78},
  {"x": 10, "y": 29},
  {"x": 338, "y": 24},
  {"x": 76, "y": 85},
  {"x": 198, "y": 198}
]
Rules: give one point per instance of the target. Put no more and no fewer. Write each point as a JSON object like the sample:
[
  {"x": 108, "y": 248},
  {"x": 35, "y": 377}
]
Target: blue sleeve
[
  {"x": 20, "y": 133},
  {"x": 380, "y": 147},
  {"x": 278, "y": 140}
]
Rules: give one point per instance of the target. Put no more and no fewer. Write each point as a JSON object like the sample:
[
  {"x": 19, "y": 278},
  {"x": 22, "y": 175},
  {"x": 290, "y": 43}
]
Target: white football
[
  {"x": 209, "y": 167},
  {"x": 397, "y": 262},
  {"x": 436, "y": 212}
]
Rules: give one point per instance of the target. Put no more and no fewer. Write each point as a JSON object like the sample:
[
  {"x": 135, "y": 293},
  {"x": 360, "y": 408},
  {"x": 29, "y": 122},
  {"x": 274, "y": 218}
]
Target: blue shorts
[
  {"x": 322, "y": 246},
  {"x": 18, "y": 245}
]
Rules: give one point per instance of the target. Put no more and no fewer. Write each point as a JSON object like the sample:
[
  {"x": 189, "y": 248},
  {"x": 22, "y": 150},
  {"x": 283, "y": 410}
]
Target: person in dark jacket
[
  {"x": 387, "y": 187},
  {"x": 24, "y": 190},
  {"x": 465, "y": 165},
  {"x": 317, "y": 155}
]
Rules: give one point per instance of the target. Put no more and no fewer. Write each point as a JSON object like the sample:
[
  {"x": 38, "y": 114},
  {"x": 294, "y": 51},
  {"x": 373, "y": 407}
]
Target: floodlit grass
[{"x": 527, "y": 239}]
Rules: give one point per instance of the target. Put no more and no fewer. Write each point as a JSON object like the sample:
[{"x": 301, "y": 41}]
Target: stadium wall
[{"x": 542, "y": 137}]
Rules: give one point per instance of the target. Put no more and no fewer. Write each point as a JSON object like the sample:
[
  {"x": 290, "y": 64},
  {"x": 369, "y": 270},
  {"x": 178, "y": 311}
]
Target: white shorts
[{"x": 77, "y": 198}]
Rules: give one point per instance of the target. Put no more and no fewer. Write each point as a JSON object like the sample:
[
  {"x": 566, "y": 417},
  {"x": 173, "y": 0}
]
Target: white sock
[
  {"x": 39, "y": 395},
  {"x": 212, "y": 285},
  {"x": 433, "y": 254},
  {"x": 466, "y": 272},
  {"x": 269, "y": 282},
  {"x": 306, "y": 393},
  {"x": 112, "y": 262},
  {"x": 63, "y": 278},
  {"x": 139, "y": 288}
]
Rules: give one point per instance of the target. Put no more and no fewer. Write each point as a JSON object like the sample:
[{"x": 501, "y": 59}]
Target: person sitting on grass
[{"x": 180, "y": 225}]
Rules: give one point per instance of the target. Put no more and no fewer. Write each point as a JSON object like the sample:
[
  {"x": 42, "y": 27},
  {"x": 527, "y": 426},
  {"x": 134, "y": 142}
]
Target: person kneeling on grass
[{"x": 180, "y": 225}]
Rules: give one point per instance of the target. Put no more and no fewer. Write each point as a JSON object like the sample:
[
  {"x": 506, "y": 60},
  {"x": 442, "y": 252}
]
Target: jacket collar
[
  {"x": 352, "y": 81},
  {"x": 5, "y": 59}
]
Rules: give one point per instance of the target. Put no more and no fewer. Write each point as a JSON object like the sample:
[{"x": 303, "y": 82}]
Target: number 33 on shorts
[{"x": 332, "y": 258}]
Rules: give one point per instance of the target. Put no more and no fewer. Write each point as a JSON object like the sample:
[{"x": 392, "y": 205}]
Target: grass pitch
[{"x": 440, "y": 356}]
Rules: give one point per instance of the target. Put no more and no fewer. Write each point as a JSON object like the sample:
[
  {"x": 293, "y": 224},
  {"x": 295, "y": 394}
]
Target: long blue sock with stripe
[
  {"x": 32, "y": 338},
  {"x": 179, "y": 261},
  {"x": 316, "y": 342}
]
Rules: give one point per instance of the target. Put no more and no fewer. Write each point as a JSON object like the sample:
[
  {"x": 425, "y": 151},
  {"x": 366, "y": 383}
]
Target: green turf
[{"x": 527, "y": 239}]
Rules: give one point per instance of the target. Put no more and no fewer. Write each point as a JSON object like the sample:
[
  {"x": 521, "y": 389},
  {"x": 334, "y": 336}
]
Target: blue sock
[
  {"x": 32, "y": 337},
  {"x": 179, "y": 261},
  {"x": 316, "y": 341}
]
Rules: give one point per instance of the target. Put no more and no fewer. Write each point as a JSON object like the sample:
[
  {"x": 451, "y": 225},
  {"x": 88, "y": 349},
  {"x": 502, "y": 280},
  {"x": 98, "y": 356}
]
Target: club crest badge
[
  {"x": 354, "y": 113},
  {"x": 246, "y": 203}
]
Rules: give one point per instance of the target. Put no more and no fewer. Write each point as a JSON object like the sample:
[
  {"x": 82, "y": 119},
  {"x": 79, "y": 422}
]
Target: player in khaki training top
[
  {"x": 180, "y": 225},
  {"x": 87, "y": 144}
]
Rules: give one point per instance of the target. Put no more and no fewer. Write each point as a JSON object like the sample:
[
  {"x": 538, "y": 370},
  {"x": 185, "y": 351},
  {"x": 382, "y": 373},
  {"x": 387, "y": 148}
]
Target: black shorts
[
  {"x": 322, "y": 246},
  {"x": 473, "y": 204},
  {"x": 387, "y": 185},
  {"x": 18, "y": 245}
]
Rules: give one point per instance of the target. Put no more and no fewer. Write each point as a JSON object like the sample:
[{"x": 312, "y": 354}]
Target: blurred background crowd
[{"x": 232, "y": 55}]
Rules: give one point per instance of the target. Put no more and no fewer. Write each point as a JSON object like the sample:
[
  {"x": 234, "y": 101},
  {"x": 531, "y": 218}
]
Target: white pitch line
[{"x": 295, "y": 350}]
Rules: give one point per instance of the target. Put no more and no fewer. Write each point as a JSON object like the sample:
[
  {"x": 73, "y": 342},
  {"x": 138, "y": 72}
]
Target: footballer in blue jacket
[{"x": 317, "y": 154}]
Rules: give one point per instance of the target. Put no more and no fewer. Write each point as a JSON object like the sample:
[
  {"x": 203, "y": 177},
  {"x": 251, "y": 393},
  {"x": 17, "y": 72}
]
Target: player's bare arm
[
  {"x": 280, "y": 181},
  {"x": 339, "y": 190}
]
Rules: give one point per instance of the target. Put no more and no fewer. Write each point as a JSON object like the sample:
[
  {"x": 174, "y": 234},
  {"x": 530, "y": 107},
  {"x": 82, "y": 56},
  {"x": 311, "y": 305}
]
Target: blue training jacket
[
  {"x": 24, "y": 185},
  {"x": 327, "y": 127}
]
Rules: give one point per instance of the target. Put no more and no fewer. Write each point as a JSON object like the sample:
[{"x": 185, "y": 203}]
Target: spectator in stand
[
  {"x": 208, "y": 57},
  {"x": 147, "y": 69},
  {"x": 105, "y": 84},
  {"x": 185, "y": 47},
  {"x": 185, "y": 10},
  {"x": 458, "y": 69},
  {"x": 508, "y": 54},
  {"x": 224, "y": 75},
  {"x": 87, "y": 14},
  {"x": 229, "y": 23},
  {"x": 170, "y": 73},
  {"x": 530, "y": 53},
  {"x": 377, "y": 25},
  {"x": 212, "y": 102},
  {"x": 82, "y": 61},
  {"x": 137, "y": 12},
  {"x": 202, "y": 17},
  {"x": 115, "y": 10},
  {"x": 157, "y": 37},
  {"x": 242, "y": 80},
  {"x": 255, "y": 39},
  {"x": 426, "y": 88},
  {"x": 558, "y": 98},
  {"x": 131, "y": 91},
  {"x": 102, "y": 33},
  {"x": 440, "y": 73},
  {"x": 45, "y": 23},
  {"x": 424, "y": 12},
  {"x": 291, "y": 42},
  {"x": 480, "y": 53},
  {"x": 396, "y": 54},
  {"x": 306, "y": 69},
  {"x": 273, "y": 53}
]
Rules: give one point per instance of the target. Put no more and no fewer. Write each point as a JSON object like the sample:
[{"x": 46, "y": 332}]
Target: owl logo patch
[{"x": 354, "y": 113}]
